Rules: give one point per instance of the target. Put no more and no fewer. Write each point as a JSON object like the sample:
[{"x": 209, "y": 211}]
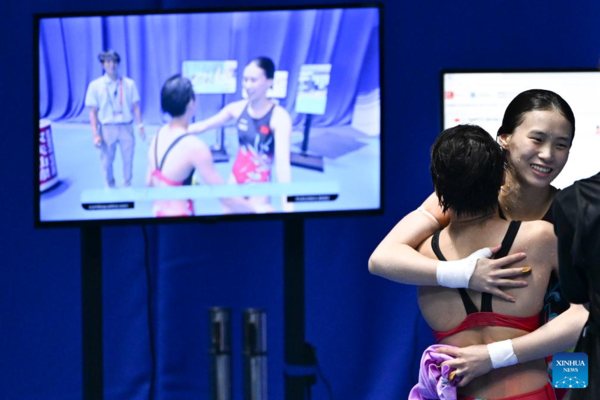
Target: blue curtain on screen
[{"x": 153, "y": 47}]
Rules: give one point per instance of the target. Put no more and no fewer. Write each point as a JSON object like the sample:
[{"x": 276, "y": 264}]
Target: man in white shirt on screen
[{"x": 114, "y": 100}]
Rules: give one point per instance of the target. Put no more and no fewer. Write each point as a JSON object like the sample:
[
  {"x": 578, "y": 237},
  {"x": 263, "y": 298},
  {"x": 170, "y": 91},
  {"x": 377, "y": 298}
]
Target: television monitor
[
  {"x": 91, "y": 108},
  {"x": 481, "y": 97}
]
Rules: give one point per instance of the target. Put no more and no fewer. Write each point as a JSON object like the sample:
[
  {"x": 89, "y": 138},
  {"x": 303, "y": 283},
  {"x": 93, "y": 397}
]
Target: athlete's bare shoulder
[
  {"x": 236, "y": 108},
  {"x": 193, "y": 142},
  {"x": 537, "y": 239},
  {"x": 280, "y": 112},
  {"x": 281, "y": 119},
  {"x": 538, "y": 230}
]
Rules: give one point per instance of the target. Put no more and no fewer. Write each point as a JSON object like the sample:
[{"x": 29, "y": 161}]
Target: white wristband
[
  {"x": 456, "y": 274},
  {"x": 502, "y": 354}
]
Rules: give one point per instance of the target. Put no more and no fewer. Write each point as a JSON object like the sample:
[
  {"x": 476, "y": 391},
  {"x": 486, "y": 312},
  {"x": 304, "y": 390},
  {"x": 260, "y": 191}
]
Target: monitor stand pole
[
  {"x": 300, "y": 360},
  {"x": 91, "y": 313},
  {"x": 218, "y": 150}
]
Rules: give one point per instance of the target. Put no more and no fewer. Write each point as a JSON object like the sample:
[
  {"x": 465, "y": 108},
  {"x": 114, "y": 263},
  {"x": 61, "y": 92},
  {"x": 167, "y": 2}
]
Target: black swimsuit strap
[
  {"x": 486, "y": 298},
  {"x": 507, "y": 242},
  {"x": 509, "y": 238},
  {"x": 162, "y": 162},
  {"x": 435, "y": 246},
  {"x": 467, "y": 302}
]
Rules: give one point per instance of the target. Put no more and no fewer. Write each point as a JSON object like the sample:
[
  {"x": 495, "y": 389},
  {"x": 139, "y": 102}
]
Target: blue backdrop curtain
[
  {"x": 367, "y": 331},
  {"x": 153, "y": 47}
]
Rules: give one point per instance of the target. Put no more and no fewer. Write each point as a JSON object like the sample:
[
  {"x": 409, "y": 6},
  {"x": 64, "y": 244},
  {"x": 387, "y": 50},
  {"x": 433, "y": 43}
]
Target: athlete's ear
[
  {"x": 191, "y": 104},
  {"x": 504, "y": 140}
]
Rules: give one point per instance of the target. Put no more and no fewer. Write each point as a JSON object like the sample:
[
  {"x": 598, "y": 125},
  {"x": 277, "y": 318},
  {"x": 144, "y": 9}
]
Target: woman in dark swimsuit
[
  {"x": 467, "y": 168},
  {"x": 536, "y": 133},
  {"x": 264, "y": 133}
]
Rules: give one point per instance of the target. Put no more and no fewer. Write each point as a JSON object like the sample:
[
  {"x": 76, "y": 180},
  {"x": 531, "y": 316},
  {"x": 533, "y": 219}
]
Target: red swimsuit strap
[
  {"x": 527, "y": 324},
  {"x": 158, "y": 174}
]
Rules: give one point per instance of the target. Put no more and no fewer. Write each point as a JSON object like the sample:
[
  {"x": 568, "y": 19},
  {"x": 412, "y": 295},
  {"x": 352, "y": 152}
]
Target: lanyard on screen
[{"x": 119, "y": 88}]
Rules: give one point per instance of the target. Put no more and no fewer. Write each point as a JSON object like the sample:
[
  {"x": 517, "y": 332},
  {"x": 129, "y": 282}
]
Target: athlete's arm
[
  {"x": 151, "y": 166},
  {"x": 283, "y": 132},
  {"x": 203, "y": 163},
  {"x": 94, "y": 124},
  {"x": 217, "y": 120},
  {"x": 138, "y": 116},
  {"x": 396, "y": 258},
  {"x": 560, "y": 334}
]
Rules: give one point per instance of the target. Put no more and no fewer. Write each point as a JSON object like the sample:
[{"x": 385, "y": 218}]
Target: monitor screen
[
  {"x": 207, "y": 114},
  {"x": 481, "y": 98}
]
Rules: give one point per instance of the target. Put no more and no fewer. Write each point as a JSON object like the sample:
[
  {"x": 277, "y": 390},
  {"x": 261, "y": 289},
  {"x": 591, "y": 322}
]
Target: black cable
[
  {"x": 325, "y": 381},
  {"x": 149, "y": 310}
]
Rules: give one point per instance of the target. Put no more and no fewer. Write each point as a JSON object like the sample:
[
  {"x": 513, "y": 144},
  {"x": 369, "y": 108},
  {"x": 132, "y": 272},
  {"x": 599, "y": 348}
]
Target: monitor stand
[
  {"x": 218, "y": 150},
  {"x": 300, "y": 360},
  {"x": 305, "y": 158},
  {"x": 91, "y": 313}
]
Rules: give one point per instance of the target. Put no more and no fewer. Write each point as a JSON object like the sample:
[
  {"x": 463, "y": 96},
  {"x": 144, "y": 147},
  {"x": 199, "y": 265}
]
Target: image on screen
[
  {"x": 216, "y": 77},
  {"x": 481, "y": 98},
  {"x": 312, "y": 88},
  {"x": 122, "y": 139}
]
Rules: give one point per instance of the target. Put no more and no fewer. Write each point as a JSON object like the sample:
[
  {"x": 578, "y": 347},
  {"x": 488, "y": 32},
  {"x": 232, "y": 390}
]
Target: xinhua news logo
[{"x": 570, "y": 370}]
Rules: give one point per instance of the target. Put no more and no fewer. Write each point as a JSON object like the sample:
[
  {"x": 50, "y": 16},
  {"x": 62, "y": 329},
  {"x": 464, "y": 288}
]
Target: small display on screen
[
  {"x": 312, "y": 88},
  {"x": 196, "y": 114},
  {"x": 216, "y": 77},
  {"x": 482, "y": 97}
]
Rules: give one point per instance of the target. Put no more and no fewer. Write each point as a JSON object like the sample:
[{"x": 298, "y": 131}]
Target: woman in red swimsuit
[
  {"x": 536, "y": 133},
  {"x": 175, "y": 155},
  {"x": 264, "y": 132}
]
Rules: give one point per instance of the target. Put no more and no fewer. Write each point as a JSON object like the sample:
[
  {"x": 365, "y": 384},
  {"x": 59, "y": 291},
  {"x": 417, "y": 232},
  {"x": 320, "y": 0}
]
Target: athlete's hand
[
  {"x": 490, "y": 275},
  {"x": 469, "y": 362},
  {"x": 97, "y": 140}
]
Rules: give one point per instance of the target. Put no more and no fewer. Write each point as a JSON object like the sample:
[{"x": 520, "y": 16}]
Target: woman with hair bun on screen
[
  {"x": 264, "y": 132},
  {"x": 536, "y": 134}
]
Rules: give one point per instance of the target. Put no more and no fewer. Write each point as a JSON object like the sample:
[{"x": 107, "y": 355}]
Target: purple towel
[{"x": 433, "y": 378}]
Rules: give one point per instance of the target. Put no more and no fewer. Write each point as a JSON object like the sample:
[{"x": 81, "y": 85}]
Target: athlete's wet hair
[
  {"x": 467, "y": 169},
  {"x": 534, "y": 100},
  {"x": 109, "y": 55},
  {"x": 175, "y": 95},
  {"x": 267, "y": 65}
]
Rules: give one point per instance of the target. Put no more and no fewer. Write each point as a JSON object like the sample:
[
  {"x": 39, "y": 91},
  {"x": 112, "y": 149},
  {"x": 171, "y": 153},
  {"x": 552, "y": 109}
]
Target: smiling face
[
  {"x": 538, "y": 148},
  {"x": 256, "y": 82}
]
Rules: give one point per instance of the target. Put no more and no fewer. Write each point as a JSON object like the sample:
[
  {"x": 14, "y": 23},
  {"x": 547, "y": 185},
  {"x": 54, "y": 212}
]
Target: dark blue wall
[{"x": 365, "y": 329}]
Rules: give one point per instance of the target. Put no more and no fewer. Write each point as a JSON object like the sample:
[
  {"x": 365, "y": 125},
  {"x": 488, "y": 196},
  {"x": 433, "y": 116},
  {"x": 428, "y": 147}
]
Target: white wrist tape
[
  {"x": 456, "y": 274},
  {"x": 502, "y": 354}
]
